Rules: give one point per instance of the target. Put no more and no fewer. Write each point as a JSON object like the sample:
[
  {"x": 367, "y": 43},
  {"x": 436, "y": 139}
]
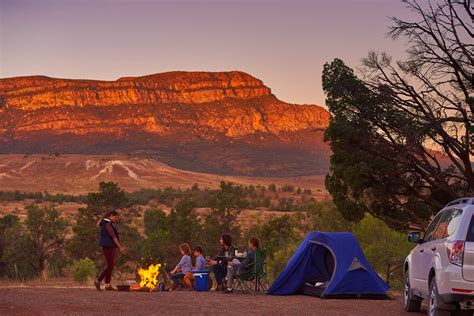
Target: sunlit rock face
[{"x": 226, "y": 122}]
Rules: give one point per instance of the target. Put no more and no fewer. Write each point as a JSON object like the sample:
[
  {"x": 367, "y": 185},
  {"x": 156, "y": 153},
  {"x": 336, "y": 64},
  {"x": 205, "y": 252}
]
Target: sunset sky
[{"x": 284, "y": 43}]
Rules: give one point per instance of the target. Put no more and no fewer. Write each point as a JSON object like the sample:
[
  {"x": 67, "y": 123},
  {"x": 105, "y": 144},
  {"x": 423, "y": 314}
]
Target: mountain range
[{"x": 214, "y": 122}]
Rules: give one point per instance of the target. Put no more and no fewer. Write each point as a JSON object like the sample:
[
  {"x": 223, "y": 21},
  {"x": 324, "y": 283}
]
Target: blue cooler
[{"x": 200, "y": 279}]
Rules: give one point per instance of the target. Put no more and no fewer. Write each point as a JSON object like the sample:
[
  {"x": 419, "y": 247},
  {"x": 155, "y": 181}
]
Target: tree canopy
[{"x": 401, "y": 132}]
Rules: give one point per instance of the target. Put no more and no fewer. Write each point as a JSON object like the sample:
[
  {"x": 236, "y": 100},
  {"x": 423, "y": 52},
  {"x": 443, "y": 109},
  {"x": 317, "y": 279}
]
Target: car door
[
  {"x": 418, "y": 269},
  {"x": 435, "y": 246}
]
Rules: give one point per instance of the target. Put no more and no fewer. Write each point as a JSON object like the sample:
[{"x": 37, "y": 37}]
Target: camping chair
[{"x": 254, "y": 282}]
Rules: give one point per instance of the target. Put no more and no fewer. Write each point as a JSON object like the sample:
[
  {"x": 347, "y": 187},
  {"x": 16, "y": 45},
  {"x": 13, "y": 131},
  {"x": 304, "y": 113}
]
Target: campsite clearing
[{"x": 55, "y": 301}]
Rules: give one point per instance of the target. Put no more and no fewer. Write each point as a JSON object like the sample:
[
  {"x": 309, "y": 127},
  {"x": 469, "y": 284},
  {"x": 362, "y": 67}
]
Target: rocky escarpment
[
  {"x": 31, "y": 93},
  {"x": 218, "y": 122}
]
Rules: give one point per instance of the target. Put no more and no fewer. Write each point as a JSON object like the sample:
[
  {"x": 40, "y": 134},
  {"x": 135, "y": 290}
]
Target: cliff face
[
  {"x": 32, "y": 93},
  {"x": 176, "y": 117}
]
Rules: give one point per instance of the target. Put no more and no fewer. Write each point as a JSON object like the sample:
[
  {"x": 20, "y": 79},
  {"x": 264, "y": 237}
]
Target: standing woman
[{"x": 110, "y": 242}]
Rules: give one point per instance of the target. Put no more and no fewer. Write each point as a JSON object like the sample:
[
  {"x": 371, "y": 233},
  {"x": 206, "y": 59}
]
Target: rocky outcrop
[
  {"x": 32, "y": 93},
  {"x": 158, "y": 114}
]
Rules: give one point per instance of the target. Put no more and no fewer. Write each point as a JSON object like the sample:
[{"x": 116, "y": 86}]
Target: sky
[{"x": 283, "y": 43}]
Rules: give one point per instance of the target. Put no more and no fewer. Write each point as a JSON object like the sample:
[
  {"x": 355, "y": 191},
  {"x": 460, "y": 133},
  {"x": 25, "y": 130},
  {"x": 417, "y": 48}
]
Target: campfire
[{"x": 148, "y": 278}]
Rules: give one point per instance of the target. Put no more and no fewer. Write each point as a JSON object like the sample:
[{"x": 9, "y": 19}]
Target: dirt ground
[{"x": 81, "y": 301}]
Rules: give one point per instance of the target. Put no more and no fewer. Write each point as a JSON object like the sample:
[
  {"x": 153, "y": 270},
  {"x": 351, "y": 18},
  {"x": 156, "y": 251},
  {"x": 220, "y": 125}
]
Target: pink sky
[{"x": 284, "y": 43}]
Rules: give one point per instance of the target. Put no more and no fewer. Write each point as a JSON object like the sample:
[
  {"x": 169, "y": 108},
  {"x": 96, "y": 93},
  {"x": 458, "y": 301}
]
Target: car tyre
[
  {"x": 411, "y": 303},
  {"x": 433, "y": 301}
]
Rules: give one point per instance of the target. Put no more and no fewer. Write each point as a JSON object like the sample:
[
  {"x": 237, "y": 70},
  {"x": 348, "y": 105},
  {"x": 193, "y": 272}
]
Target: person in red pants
[{"x": 110, "y": 242}]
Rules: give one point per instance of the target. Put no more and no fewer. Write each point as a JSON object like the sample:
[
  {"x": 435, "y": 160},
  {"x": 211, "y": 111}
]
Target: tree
[
  {"x": 400, "y": 135},
  {"x": 165, "y": 232},
  {"x": 8, "y": 224},
  {"x": 46, "y": 231},
  {"x": 84, "y": 242},
  {"x": 272, "y": 187},
  {"x": 279, "y": 237},
  {"x": 226, "y": 206},
  {"x": 382, "y": 245},
  {"x": 184, "y": 224}
]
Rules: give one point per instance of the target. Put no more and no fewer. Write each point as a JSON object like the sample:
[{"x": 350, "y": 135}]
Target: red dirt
[{"x": 54, "y": 301}]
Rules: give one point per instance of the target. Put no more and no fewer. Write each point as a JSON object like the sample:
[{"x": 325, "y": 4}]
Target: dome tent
[{"x": 329, "y": 265}]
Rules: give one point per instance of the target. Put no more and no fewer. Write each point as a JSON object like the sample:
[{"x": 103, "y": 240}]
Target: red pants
[{"x": 109, "y": 254}]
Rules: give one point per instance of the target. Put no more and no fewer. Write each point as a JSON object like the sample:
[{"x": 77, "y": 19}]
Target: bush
[
  {"x": 382, "y": 245},
  {"x": 83, "y": 269},
  {"x": 272, "y": 187},
  {"x": 278, "y": 260}
]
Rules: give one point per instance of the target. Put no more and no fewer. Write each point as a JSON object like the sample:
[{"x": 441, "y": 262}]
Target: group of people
[{"x": 225, "y": 265}]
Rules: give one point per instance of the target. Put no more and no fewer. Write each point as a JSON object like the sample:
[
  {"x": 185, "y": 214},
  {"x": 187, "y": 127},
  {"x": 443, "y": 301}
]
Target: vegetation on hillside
[{"x": 286, "y": 198}]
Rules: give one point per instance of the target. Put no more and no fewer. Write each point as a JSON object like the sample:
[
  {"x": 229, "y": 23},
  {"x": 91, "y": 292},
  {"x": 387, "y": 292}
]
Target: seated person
[
  {"x": 200, "y": 265},
  {"x": 184, "y": 266},
  {"x": 244, "y": 268},
  {"x": 219, "y": 263}
]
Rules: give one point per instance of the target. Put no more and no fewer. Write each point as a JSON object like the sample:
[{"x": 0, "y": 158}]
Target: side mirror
[{"x": 415, "y": 237}]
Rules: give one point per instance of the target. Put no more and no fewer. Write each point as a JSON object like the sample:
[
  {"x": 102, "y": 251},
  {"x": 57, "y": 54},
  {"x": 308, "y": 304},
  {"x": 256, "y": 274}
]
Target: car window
[
  {"x": 430, "y": 231},
  {"x": 470, "y": 232},
  {"x": 448, "y": 224},
  {"x": 453, "y": 224}
]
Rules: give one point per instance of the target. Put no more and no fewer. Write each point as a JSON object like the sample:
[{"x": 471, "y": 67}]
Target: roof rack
[{"x": 462, "y": 201}]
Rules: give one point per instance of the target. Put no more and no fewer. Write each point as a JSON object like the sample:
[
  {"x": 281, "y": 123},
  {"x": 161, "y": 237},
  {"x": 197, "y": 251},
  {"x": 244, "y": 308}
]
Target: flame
[{"x": 149, "y": 277}]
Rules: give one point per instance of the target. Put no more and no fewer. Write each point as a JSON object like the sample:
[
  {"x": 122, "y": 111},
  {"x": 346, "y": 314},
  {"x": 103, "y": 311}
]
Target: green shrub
[
  {"x": 288, "y": 188},
  {"x": 382, "y": 246},
  {"x": 83, "y": 269}
]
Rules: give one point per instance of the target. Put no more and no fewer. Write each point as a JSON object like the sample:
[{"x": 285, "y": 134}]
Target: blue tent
[{"x": 329, "y": 265}]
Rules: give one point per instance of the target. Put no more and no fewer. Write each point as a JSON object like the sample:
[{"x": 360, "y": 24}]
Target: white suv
[{"x": 441, "y": 267}]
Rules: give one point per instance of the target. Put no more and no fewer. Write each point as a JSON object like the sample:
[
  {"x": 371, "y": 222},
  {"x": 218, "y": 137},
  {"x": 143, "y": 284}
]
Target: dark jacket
[
  {"x": 107, "y": 233},
  {"x": 246, "y": 267}
]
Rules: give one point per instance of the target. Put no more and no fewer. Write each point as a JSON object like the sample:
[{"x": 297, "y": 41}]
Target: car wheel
[
  {"x": 433, "y": 309},
  {"x": 411, "y": 303}
]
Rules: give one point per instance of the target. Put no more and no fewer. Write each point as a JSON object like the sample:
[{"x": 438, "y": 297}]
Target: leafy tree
[
  {"x": 226, "y": 206},
  {"x": 166, "y": 232},
  {"x": 46, "y": 230},
  {"x": 155, "y": 220},
  {"x": 279, "y": 237},
  {"x": 324, "y": 217},
  {"x": 19, "y": 264},
  {"x": 272, "y": 187},
  {"x": 26, "y": 250},
  {"x": 382, "y": 245},
  {"x": 8, "y": 224},
  {"x": 157, "y": 243},
  {"x": 84, "y": 242},
  {"x": 400, "y": 137},
  {"x": 184, "y": 224}
]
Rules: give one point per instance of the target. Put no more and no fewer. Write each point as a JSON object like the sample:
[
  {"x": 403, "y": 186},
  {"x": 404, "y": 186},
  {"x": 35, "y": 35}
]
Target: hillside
[
  {"x": 222, "y": 123},
  {"x": 80, "y": 174}
]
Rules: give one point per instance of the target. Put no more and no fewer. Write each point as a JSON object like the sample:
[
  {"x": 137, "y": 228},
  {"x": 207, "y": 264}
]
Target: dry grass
[{"x": 80, "y": 174}]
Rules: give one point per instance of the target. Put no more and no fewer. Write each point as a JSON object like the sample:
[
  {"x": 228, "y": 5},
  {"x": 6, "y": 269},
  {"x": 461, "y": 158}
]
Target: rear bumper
[
  {"x": 450, "y": 300},
  {"x": 449, "y": 279}
]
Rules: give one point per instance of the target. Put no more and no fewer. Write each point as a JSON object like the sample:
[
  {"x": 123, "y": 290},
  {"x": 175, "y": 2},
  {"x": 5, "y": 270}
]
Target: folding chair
[{"x": 255, "y": 281}]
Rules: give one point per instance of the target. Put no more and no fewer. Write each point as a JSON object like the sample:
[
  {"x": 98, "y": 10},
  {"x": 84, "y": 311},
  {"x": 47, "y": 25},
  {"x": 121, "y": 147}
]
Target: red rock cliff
[{"x": 155, "y": 113}]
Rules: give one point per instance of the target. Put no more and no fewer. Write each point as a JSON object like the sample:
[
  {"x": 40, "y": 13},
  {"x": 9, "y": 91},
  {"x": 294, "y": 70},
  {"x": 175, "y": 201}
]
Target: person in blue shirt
[
  {"x": 184, "y": 266},
  {"x": 200, "y": 265},
  {"x": 200, "y": 261}
]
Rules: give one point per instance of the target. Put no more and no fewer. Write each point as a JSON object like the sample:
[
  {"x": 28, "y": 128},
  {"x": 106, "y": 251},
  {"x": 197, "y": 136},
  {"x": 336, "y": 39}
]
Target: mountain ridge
[{"x": 176, "y": 117}]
